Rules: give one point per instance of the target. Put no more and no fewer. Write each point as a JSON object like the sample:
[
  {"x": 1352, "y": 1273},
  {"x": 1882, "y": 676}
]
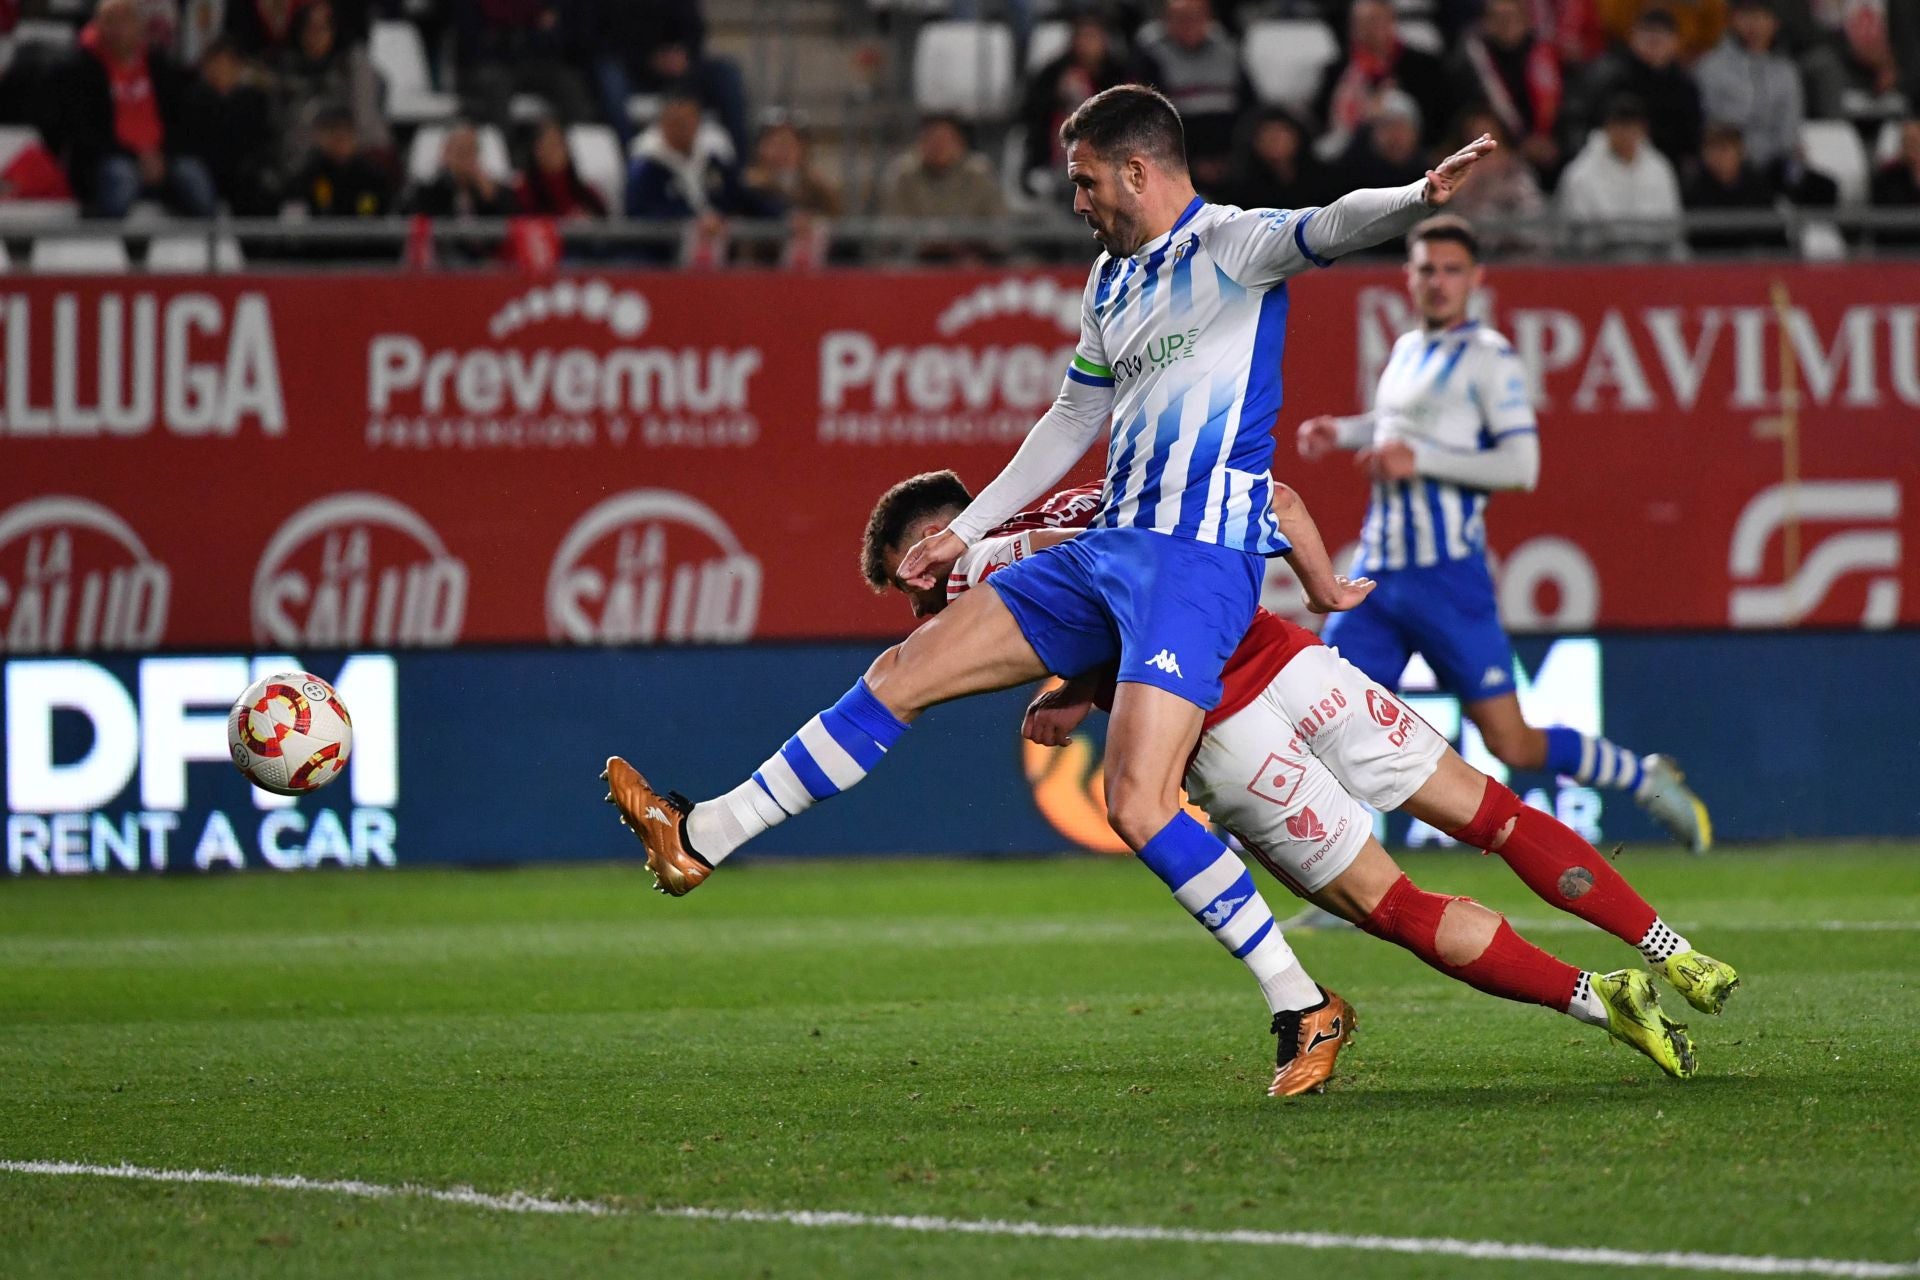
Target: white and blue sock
[
  {"x": 1592, "y": 760},
  {"x": 831, "y": 752},
  {"x": 1218, "y": 890}
]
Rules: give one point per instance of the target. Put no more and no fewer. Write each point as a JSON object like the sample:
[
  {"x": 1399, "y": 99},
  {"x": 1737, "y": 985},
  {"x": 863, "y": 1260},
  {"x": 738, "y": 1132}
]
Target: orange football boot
[
  {"x": 660, "y": 822},
  {"x": 1310, "y": 1040}
]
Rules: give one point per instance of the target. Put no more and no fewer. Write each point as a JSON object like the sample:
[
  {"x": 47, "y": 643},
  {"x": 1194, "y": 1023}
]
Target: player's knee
[
  {"x": 888, "y": 681},
  {"x": 1137, "y": 813},
  {"x": 1466, "y": 929}
]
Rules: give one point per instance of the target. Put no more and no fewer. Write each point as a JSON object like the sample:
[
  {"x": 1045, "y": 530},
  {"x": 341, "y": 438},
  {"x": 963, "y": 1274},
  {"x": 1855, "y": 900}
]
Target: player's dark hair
[
  {"x": 1446, "y": 228},
  {"x": 1126, "y": 120},
  {"x": 913, "y": 499}
]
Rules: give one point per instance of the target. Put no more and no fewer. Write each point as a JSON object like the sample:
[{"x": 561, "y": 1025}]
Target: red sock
[
  {"x": 1571, "y": 874},
  {"x": 1510, "y": 967}
]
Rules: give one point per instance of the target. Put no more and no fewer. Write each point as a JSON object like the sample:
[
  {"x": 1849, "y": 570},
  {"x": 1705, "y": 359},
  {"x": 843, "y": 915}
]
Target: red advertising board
[{"x": 419, "y": 460}]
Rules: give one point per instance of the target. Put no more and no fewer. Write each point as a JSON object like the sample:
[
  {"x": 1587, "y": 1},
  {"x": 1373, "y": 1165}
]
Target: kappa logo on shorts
[
  {"x": 1167, "y": 662},
  {"x": 1493, "y": 677},
  {"x": 1305, "y": 825}
]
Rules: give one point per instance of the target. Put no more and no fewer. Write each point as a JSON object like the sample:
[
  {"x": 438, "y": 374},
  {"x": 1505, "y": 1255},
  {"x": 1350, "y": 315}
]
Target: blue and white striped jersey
[
  {"x": 1187, "y": 336},
  {"x": 1454, "y": 393}
]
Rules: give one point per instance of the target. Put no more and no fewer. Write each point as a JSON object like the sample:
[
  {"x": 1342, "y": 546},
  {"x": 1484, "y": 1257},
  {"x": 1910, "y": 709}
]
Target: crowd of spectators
[{"x": 1617, "y": 115}]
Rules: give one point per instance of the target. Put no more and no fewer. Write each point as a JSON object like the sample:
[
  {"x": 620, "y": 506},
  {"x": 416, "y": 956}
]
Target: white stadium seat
[
  {"x": 596, "y": 155},
  {"x": 1886, "y": 147},
  {"x": 1420, "y": 34},
  {"x": 964, "y": 69},
  {"x": 423, "y": 157},
  {"x": 401, "y": 59},
  {"x": 1833, "y": 147},
  {"x": 1286, "y": 58},
  {"x": 1048, "y": 41},
  {"x": 44, "y": 31},
  {"x": 78, "y": 255},
  {"x": 188, "y": 254}
]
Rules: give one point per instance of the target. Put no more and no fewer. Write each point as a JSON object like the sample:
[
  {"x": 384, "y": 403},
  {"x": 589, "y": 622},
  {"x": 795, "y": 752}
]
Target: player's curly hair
[{"x": 913, "y": 499}]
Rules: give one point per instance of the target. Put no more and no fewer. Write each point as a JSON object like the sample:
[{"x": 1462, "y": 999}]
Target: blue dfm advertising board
[{"x": 491, "y": 756}]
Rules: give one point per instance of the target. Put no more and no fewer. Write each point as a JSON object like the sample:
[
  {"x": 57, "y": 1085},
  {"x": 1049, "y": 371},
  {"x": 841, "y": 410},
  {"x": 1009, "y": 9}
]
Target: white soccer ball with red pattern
[{"x": 290, "y": 733}]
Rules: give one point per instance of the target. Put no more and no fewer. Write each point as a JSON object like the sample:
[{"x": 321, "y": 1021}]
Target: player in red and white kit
[{"x": 1299, "y": 747}]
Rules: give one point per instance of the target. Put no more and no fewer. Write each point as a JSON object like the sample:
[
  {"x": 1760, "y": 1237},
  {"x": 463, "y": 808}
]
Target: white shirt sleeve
[
  {"x": 985, "y": 558},
  {"x": 1261, "y": 247},
  {"x": 1077, "y": 417}
]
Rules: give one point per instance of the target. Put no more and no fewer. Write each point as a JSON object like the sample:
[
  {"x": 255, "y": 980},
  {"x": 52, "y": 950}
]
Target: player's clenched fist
[
  {"x": 930, "y": 559},
  {"x": 1318, "y": 437},
  {"x": 1053, "y": 716}
]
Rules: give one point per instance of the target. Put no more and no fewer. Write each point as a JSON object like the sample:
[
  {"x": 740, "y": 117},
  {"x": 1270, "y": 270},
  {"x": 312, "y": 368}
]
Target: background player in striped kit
[{"x": 1452, "y": 423}]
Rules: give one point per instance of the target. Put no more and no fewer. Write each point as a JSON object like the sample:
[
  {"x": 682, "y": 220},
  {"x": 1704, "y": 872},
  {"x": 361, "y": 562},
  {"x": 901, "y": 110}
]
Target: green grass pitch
[{"x": 1034, "y": 1041}]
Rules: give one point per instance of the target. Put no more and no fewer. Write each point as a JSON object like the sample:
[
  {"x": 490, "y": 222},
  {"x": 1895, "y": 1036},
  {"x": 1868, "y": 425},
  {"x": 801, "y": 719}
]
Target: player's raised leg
[
  {"x": 972, "y": 647},
  {"x": 1654, "y": 781},
  {"x": 1566, "y": 872}
]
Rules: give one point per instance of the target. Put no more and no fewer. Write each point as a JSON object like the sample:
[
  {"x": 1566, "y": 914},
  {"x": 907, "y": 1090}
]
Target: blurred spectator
[
  {"x": 1274, "y": 166},
  {"x": 1377, "y": 60},
  {"x": 261, "y": 28},
  {"x": 124, "y": 121},
  {"x": 1646, "y": 68},
  {"x": 943, "y": 177},
  {"x": 1897, "y": 184},
  {"x": 1620, "y": 195},
  {"x": 463, "y": 188},
  {"x": 1196, "y": 63},
  {"x": 1698, "y": 23},
  {"x": 782, "y": 176},
  {"x": 1505, "y": 64},
  {"x": 680, "y": 170},
  {"x": 524, "y": 46},
  {"x": 657, "y": 46},
  {"x": 1387, "y": 152},
  {"x": 337, "y": 178},
  {"x": 316, "y": 70},
  {"x": 1725, "y": 180},
  {"x": 1503, "y": 190},
  {"x": 232, "y": 117},
  {"x": 1094, "y": 60},
  {"x": 1856, "y": 76},
  {"x": 551, "y": 186},
  {"x": 1745, "y": 82}
]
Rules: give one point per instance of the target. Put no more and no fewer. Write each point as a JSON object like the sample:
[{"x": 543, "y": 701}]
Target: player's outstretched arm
[
  {"x": 1326, "y": 591},
  {"x": 1361, "y": 219}
]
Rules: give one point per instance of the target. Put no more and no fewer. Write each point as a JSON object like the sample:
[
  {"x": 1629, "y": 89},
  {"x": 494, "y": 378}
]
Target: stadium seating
[
  {"x": 401, "y": 59},
  {"x": 78, "y": 255},
  {"x": 189, "y": 254},
  {"x": 423, "y": 157},
  {"x": 1048, "y": 41},
  {"x": 596, "y": 155},
  {"x": 964, "y": 69},
  {"x": 1834, "y": 148},
  {"x": 1285, "y": 59}
]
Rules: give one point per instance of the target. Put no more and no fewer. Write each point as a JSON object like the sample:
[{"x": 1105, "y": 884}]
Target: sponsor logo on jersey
[
  {"x": 561, "y": 364},
  {"x": 651, "y": 565},
  {"x": 998, "y": 353},
  {"x": 1382, "y": 708},
  {"x": 1160, "y": 352},
  {"x": 76, "y": 577},
  {"x": 121, "y": 363},
  {"x": 355, "y": 569},
  {"x": 1279, "y": 778}
]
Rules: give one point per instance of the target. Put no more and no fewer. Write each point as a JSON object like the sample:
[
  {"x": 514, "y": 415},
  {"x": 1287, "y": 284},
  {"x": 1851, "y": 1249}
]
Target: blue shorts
[
  {"x": 1169, "y": 610},
  {"x": 1446, "y": 613}
]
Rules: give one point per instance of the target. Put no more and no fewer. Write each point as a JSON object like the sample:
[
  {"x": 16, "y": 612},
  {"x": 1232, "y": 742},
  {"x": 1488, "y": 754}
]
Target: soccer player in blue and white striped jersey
[
  {"x": 1453, "y": 423},
  {"x": 1182, "y": 325}
]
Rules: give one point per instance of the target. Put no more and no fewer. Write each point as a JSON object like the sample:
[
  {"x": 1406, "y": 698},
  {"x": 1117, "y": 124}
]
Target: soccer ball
[{"x": 290, "y": 733}]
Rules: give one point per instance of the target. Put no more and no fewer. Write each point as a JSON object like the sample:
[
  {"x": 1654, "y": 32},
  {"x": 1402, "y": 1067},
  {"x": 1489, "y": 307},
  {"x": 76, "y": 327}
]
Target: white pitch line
[{"x": 1430, "y": 1246}]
